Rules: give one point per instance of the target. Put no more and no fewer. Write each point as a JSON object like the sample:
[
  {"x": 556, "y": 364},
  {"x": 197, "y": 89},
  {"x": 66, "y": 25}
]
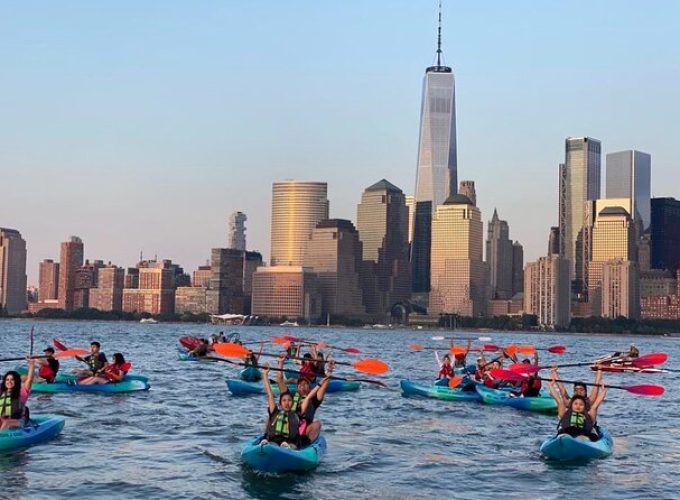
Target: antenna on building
[
  {"x": 141, "y": 255},
  {"x": 439, "y": 37}
]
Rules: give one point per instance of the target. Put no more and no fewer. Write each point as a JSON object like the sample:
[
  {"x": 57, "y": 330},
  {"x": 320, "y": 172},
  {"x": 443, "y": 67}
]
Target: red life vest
[
  {"x": 446, "y": 371},
  {"x": 307, "y": 371},
  {"x": 112, "y": 372},
  {"x": 46, "y": 372}
]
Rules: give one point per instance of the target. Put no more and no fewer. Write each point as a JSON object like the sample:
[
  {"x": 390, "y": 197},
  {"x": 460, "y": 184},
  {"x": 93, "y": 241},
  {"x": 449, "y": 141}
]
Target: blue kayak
[
  {"x": 183, "y": 355},
  {"x": 564, "y": 447},
  {"x": 251, "y": 374},
  {"x": 507, "y": 398},
  {"x": 275, "y": 459},
  {"x": 37, "y": 430},
  {"x": 66, "y": 377},
  {"x": 438, "y": 392},
  {"x": 242, "y": 388},
  {"x": 128, "y": 384}
]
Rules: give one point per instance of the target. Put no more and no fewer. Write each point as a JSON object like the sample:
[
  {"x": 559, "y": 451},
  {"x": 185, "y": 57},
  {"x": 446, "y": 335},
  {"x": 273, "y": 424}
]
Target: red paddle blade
[
  {"x": 506, "y": 375},
  {"x": 352, "y": 350},
  {"x": 321, "y": 345},
  {"x": 557, "y": 349},
  {"x": 229, "y": 350},
  {"x": 285, "y": 339},
  {"x": 415, "y": 347},
  {"x": 491, "y": 348},
  {"x": 646, "y": 390},
  {"x": 523, "y": 368},
  {"x": 72, "y": 352},
  {"x": 455, "y": 382},
  {"x": 59, "y": 345},
  {"x": 372, "y": 366},
  {"x": 658, "y": 358}
]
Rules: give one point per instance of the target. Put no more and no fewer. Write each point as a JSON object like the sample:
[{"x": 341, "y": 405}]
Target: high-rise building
[
  {"x": 297, "y": 207},
  {"x": 48, "y": 280},
  {"x": 629, "y": 176},
  {"x": 437, "y": 171},
  {"x": 467, "y": 188},
  {"x": 191, "y": 299},
  {"x": 458, "y": 270},
  {"x": 579, "y": 183},
  {"x": 156, "y": 292},
  {"x": 554, "y": 241},
  {"x": 201, "y": 276},
  {"x": 230, "y": 284},
  {"x": 620, "y": 296},
  {"x": 12, "y": 271},
  {"x": 547, "y": 291},
  {"x": 237, "y": 231},
  {"x": 334, "y": 253},
  {"x": 70, "y": 260},
  {"x": 411, "y": 206},
  {"x": 499, "y": 258},
  {"x": 662, "y": 306},
  {"x": 665, "y": 240},
  {"x": 108, "y": 294},
  {"x": 286, "y": 291},
  {"x": 382, "y": 221},
  {"x": 86, "y": 280},
  {"x": 517, "y": 268}
]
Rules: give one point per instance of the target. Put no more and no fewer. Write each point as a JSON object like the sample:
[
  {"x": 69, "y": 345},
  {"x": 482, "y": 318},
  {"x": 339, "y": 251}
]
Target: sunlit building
[
  {"x": 547, "y": 291},
  {"x": 12, "y": 271},
  {"x": 286, "y": 292},
  {"x": 70, "y": 260}
]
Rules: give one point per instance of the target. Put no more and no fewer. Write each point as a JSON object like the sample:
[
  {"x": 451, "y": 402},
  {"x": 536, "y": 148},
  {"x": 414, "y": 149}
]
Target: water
[{"x": 182, "y": 439}]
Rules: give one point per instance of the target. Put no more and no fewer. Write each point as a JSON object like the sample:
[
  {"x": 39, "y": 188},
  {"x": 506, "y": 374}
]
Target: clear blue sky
[{"x": 143, "y": 124}]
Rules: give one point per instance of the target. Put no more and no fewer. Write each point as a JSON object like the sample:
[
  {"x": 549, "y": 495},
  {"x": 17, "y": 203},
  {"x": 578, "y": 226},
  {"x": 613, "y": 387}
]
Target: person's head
[
  {"x": 447, "y": 359},
  {"x": 578, "y": 404},
  {"x": 204, "y": 341},
  {"x": 526, "y": 361},
  {"x": 580, "y": 389},
  {"x": 496, "y": 365},
  {"x": 118, "y": 359},
  {"x": 480, "y": 361},
  {"x": 460, "y": 356},
  {"x": 94, "y": 347},
  {"x": 49, "y": 352},
  {"x": 286, "y": 400},
  {"x": 303, "y": 386},
  {"x": 11, "y": 383}
]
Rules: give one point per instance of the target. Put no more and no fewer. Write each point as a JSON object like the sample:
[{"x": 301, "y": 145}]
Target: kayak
[
  {"x": 185, "y": 356},
  {"x": 242, "y": 388},
  {"x": 190, "y": 342},
  {"x": 251, "y": 374},
  {"x": 626, "y": 368},
  {"x": 438, "y": 392},
  {"x": 505, "y": 398},
  {"x": 128, "y": 384},
  {"x": 38, "y": 429},
  {"x": 275, "y": 459},
  {"x": 565, "y": 447},
  {"x": 66, "y": 377}
]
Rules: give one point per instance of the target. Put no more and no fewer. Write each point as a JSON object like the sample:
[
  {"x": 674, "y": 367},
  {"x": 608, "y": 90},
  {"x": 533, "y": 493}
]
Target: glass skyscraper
[{"x": 629, "y": 176}]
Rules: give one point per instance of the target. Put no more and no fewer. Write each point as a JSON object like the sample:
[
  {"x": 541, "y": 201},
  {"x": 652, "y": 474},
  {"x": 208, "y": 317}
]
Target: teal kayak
[
  {"x": 128, "y": 384},
  {"x": 506, "y": 398},
  {"x": 66, "y": 377},
  {"x": 564, "y": 447},
  {"x": 242, "y": 388},
  {"x": 37, "y": 430},
  {"x": 185, "y": 356},
  {"x": 434, "y": 391},
  {"x": 251, "y": 374},
  {"x": 275, "y": 459}
]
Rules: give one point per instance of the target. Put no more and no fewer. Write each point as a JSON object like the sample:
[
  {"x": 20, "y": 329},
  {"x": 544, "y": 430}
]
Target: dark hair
[
  {"x": 446, "y": 356},
  {"x": 576, "y": 397},
  {"x": 307, "y": 356},
  {"x": 285, "y": 393},
  {"x": 526, "y": 361},
  {"x": 16, "y": 391},
  {"x": 96, "y": 344},
  {"x": 118, "y": 358}
]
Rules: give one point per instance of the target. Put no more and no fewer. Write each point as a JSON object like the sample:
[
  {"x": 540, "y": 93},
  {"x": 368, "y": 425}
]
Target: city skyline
[{"x": 88, "y": 136}]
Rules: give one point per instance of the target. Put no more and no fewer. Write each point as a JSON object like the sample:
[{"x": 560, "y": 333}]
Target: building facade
[
  {"x": 12, "y": 271},
  {"x": 286, "y": 292},
  {"x": 48, "y": 280},
  {"x": 237, "y": 231},
  {"x": 665, "y": 239},
  {"x": 467, "y": 188},
  {"x": 620, "y": 290},
  {"x": 547, "y": 290},
  {"x": 629, "y": 176},
  {"x": 499, "y": 258},
  {"x": 108, "y": 294},
  {"x": 191, "y": 299},
  {"x": 156, "y": 291},
  {"x": 70, "y": 260}
]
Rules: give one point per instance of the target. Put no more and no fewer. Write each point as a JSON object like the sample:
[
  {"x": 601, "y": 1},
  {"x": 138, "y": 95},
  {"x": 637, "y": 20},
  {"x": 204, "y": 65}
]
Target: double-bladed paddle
[
  {"x": 62, "y": 354},
  {"x": 646, "y": 361},
  {"x": 285, "y": 339}
]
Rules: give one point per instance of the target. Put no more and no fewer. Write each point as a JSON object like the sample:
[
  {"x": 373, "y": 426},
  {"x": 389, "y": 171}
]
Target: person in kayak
[
  {"x": 13, "y": 397},
  {"x": 460, "y": 359},
  {"x": 633, "y": 351},
  {"x": 201, "y": 350},
  {"x": 579, "y": 388},
  {"x": 576, "y": 419},
  {"x": 96, "y": 361},
  {"x": 531, "y": 386},
  {"x": 308, "y": 369},
  {"x": 112, "y": 372},
  {"x": 250, "y": 361},
  {"x": 446, "y": 370},
  {"x": 49, "y": 366}
]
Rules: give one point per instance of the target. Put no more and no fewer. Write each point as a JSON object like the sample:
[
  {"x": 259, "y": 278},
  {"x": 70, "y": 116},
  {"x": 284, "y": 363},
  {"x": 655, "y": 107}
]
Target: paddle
[
  {"x": 320, "y": 344},
  {"x": 346, "y": 379},
  {"x": 372, "y": 366},
  {"x": 63, "y": 354},
  {"x": 31, "y": 341},
  {"x": 59, "y": 345},
  {"x": 641, "y": 362},
  {"x": 455, "y": 349},
  {"x": 643, "y": 390}
]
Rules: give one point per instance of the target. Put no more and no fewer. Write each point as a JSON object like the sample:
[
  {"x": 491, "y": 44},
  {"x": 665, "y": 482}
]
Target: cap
[{"x": 49, "y": 349}]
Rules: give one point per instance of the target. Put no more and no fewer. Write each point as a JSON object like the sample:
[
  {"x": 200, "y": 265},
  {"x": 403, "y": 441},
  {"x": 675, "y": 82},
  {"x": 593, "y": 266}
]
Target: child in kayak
[
  {"x": 49, "y": 366},
  {"x": 13, "y": 397},
  {"x": 446, "y": 370},
  {"x": 113, "y": 372},
  {"x": 96, "y": 361},
  {"x": 580, "y": 389},
  {"x": 575, "y": 419},
  {"x": 202, "y": 350}
]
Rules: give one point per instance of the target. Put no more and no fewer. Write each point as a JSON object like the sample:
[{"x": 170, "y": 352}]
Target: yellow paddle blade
[
  {"x": 229, "y": 350},
  {"x": 455, "y": 382},
  {"x": 372, "y": 366},
  {"x": 415, "y": 347}
]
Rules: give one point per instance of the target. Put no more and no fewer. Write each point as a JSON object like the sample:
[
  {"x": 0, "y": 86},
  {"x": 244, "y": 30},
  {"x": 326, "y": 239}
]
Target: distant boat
[
  {"x": 379, "y": 325},
  {"x": 289, "y": 323},
  {"x": 148, "y": 321}
]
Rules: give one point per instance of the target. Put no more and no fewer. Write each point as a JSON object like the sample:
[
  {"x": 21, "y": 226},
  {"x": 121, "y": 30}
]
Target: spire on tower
[{"x": 439, "y": 37}]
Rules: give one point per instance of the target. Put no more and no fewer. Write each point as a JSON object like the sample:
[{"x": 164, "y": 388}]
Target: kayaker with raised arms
[
  {"x": 446, "y": 370},
  {"x": 576, "y": 419},
  {"x": 13, "y": 397},
  {"x": 580, "y": 389},
  {"x": 531, "y": 386}
]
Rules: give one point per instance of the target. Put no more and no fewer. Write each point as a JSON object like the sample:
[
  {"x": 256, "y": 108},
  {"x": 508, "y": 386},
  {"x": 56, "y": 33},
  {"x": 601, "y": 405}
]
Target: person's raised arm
[
  {"x": 592, "y": 397},
  {"x": 554, "y": 392},
  {"x": 31, "y": 373},
  {"x": 271, "y": 403},
  {"x": 535, "y": 358},
  {"x": 279, "y": 374},
  {"x": 601, "y": 394},
  {"x": 323, "y": 385}
]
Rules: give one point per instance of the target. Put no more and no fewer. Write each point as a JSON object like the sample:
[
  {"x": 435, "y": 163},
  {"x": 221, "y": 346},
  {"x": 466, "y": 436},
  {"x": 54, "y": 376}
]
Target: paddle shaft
[
  {"x": 22, "y": 359},
  {"x": 608, "y": 386}
]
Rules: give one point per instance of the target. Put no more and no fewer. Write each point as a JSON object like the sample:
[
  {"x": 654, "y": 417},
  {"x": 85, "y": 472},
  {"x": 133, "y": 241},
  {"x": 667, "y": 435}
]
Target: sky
[{"x": 141, "y": 125}]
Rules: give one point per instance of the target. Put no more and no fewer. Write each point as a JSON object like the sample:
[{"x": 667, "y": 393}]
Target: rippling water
[{"x": 182, "y": 439}]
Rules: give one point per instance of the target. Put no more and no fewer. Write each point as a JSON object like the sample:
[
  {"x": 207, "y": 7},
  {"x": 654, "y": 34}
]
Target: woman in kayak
[
  {"x": 446, "y": 370},
  {"x": 112, "y": 372},
  {"x": 530, "y": 387},
  {"x": 576, "y": 419},
  {"x": 580, "y": 389},
  {"x": 13, "y": 397}
]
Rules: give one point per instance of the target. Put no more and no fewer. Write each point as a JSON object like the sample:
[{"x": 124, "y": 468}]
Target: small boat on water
[
  {"x": 277, "y": 459},
  {"x": 36, "y": 430},
  {"x": 289, "y": 323},
  {"x": 148, "y": 321},
  {"x": 564, "y": 447}
]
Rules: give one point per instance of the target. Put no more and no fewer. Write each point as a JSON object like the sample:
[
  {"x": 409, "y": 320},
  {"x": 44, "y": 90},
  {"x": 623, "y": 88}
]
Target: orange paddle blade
[
  {"x": 457, "y": 349},
  {"x": 281, "y": 340},
  {"x": 372, "y": 366},
  {"x": 415, "y": 347},
  {"x": 512, "y": 349},
  {"x": 455, "y": 382},
  {"x": 229, "y": 350},
  {"x": 526, "y": 349},
  {"x": 72, "y": 352}
]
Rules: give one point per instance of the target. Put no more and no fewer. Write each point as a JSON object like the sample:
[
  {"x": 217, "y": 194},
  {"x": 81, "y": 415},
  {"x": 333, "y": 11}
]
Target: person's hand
[
  {"x": 265, "y": 369},
  {"x": 31, "y": 361},
  {"x": 330, "y": 368},
  {"x": 281, "y": 359}
]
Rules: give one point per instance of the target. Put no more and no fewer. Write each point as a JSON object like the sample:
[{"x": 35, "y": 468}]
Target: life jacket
[
  {"x": 10, "y": 408},
  {"x": 576, "y": 424},
  {"x": 308, "y": 372},
  {"x": 112, "y": 371},
  {"x": 531, "y": 387},
  {"x": 284, "y": 426},
  {"x": 49, "y": 371},
  {"x": 446, "y": 371},
  {"x": 94, "y": 363},
  {"x": 297, "y": 401}
]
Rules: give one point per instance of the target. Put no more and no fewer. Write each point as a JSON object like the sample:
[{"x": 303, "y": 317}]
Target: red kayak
[{"x": 190, "y": 342}]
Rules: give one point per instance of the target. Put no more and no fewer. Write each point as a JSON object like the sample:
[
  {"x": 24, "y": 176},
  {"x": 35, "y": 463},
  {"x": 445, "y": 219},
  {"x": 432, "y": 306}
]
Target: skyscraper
[
  {"x": 297, "y": 207},
  {"x": 382, "y": 221},
  {"x": 48, "y": 280},
  {"x": 499, "y": 258},
  {"x": 547, "y": 290},
  {"x": 665, "y": 234},
  {"x": 517, "y": 268},
  {"x": 108, "y": 295},
  {"x": 629, "y": 176},
  {"x": 579, "y": 182},
  {"x": 237, "y": 231},
  {"x": 12, "y": 271},
  {"x": 70, "y": 260},
  {"x": 437, "y": 171},
  {"x": 620, "y": 290}
]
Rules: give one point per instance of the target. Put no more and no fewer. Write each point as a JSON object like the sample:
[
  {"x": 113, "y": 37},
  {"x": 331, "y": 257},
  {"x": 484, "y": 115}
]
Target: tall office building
[
  {"x": 382, "y": 221},
  {"x": 286, "y": 292},
  {"x": 458, "y": 270},
  {"x": 620, "y": 289},
  {"x": 12, "y": 271},
  {"x": 554, "y": 241},
  {"x": 297, "y": 207},
  {"x": 108, "y": 294},
  {"x": 48, "y": 280},
  {"x": 70, "y": 260},
  {"x": 225, "y": 294},
  {"x": 629, "y": 176},
  {"x": 437, "y": 171},
  {"x": 579, "y": 183},
  {"x": 156, "y": 291},
  {"x": 467, "y": 188},
  {"x": 547, "y": 291},
  {"x": 517, "y": 268},
  {"x": 499, "y": 258},
  {"x": 334, "y": 253},
  {"x": 237, "y": 231},
  {"x": 411, "y": 206},
  {"x": 665, "y": 241}
]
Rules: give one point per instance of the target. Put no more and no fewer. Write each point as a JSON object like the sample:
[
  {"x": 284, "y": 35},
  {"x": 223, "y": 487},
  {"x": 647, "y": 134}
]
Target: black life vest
[
  {"x": 283, "y": 426},
  {"x": 9, "y": 407},
  {"x": 576, "y": 424}
]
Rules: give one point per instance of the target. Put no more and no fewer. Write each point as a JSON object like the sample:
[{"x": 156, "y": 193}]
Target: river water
[{"x": 182, "y": 439}]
